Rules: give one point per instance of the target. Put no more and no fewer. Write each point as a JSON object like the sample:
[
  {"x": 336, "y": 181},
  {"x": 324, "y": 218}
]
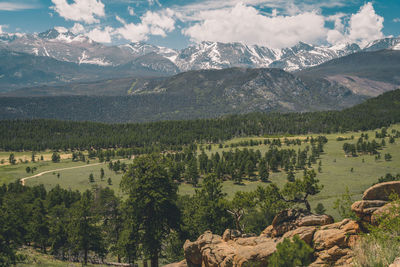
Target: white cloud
[
  {"x": 396, "y": 20},
  {"x": 11, "y": 6},
  {"x": 336, "y": 34},
  {"x": 247, "y": 25},
  {"x": 366, "y": 25},
  {"x": 362, "y": 27},
  {"x": 131, "y": 11},
  {"x": 244, "y": 23},
  {"x": 77, "y": 28},
  {"x": 1, "y": 29},
  {"x": 80, "y": 10},
  {"x": 152, "y": 23},
  {"x": 101, "y": 35}
]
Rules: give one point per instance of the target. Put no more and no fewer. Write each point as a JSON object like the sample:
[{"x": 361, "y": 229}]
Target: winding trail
[{"x": 55, "y": 170}]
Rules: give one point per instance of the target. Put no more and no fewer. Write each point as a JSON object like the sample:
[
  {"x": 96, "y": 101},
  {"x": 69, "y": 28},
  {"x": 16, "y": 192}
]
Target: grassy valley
[{"x": 336, "y": 174}]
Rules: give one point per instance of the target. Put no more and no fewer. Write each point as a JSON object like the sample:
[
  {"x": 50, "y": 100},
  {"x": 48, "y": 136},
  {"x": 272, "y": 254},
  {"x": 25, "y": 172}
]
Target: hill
[
  {"x": 364, "y": 73},
  {"x": 378, "y": 112},
  {"x": 189, "y": 95}
]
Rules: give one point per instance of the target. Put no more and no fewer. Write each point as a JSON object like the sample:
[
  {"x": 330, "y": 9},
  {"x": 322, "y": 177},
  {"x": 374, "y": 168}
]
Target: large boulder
[
  {"x": 382, "y": 191},
  {"x": 365, "y": 208},
  {"x": 211, "y": 250},
  {"x": 233, "y": 249},
  {"x": 291, "y": 219},
  {"x": 333, "y": 243},
  {"x": 396, "y": 263}
]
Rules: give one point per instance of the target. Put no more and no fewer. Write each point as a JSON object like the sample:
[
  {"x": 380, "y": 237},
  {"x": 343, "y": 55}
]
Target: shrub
[
  {"x": 291, "y": 253},
  {"x": 380, "y": 247}
]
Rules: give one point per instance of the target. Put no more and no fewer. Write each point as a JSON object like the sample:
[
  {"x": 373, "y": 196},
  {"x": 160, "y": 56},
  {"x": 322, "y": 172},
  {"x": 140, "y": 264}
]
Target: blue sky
[{"x": 177, "y": 23}]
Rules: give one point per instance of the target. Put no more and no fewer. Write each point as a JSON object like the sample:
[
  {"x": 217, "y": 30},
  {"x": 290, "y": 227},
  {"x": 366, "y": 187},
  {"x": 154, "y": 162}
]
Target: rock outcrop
[
  {"x": 375, "y": 201},
  {"x": 332, "y": 242},
  {"x": 382, "y": 191}
]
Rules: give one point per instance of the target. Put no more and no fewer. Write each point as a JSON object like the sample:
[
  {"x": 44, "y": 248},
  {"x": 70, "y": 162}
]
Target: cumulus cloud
[
  {"x": 244, "y": 23},
  {"x": 366, "y": 25},
  {"x": 247, "y": 25},
  {"x": 152, "y": 23},
  {"x": 396, "y": 20},
  {"x": 1, "y": 29},
  {"x": 86, "y": 11},
  {"x": 101, "y": 35}
]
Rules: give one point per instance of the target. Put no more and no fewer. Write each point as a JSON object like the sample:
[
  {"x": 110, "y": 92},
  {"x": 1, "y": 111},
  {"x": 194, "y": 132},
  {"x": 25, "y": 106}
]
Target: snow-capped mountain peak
[{"x": 61, "y": 44}]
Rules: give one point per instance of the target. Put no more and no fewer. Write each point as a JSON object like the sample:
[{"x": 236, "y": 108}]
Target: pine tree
[
  {"x": 263, "y": 171},
  {"x": 38, "y": 225},
  {"x": 101, "y": 174},
  {"x": 11, "y": 159},
  {"x": 84, "y": 232},
  {"x": 155, "y": 216},
  {"x": 320, "y": 209},
  {"x": 91, "y": 178}
]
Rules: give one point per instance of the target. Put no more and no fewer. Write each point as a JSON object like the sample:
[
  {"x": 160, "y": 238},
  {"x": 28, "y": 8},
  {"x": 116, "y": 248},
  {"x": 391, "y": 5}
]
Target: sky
[{"x": 179, "y": 23}]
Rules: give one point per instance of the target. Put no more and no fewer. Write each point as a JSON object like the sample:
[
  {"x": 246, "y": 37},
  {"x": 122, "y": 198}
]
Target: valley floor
[{"x": 338, "y": 171}]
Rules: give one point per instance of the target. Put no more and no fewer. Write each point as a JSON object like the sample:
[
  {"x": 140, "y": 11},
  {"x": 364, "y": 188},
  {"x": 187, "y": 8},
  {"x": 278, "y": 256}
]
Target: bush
[
  {"x": 381, "y": 246},
  {"x": 291, "y": 253}
]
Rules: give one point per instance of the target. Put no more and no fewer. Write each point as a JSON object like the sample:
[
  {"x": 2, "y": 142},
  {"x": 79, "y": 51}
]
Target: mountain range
[
  {"x": 65, "y": 46},
  {"x": 60, "y": 75}
]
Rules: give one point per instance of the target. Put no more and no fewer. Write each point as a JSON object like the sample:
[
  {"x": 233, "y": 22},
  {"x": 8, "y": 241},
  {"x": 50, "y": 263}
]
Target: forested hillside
[{"x": 42, "y": 134}]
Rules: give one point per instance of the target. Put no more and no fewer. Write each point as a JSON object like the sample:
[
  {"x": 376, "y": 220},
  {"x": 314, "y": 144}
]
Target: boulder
[
  {"x": 385, "y": 210},
  {"x": 382, "y": 191},
  {"x": 211, "y": 250},
  {"x": 332, "y": 243},
  {"x": 305, "y": 233},
  {"x": 365, "y": 208},
  {"x": 396, "y": 263},
  {"x": 291, "y": 219}
]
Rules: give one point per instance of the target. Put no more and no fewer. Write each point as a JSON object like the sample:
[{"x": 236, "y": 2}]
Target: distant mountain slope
[
  {"x": 374, "y": 113},
  {"x": 18, "y": 70},
  {"x": 194, "y": 94},
  {"x": 365, "y": 73}
]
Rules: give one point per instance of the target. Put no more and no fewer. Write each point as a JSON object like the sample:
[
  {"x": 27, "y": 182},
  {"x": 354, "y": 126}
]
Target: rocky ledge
[{"x": 332, "y": 242}]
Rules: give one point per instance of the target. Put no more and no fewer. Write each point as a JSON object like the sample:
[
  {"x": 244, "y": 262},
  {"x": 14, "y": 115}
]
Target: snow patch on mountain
[{"x": 61, "y": 44}]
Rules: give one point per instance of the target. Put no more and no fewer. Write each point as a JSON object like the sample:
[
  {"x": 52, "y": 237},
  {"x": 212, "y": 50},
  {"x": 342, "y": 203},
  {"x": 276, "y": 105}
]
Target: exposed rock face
[
  {"x": 375, "y": 201},
  {"x": 396, "y": 263},
  {"x": 364, "y": 209},
  {"x": 331, "y": 242},
  {"x": 382, "y": 191},
  {"x": 291, "y": 219}
]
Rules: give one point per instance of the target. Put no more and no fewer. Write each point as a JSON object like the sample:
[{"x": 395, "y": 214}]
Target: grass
[
  {"x": 27, "y": 155},
  {"x": 336, "y": 172},
  {"x": 78, "y": 179},
  {"x": 34, "y": 258},
  {"x": 10, "y": 173}
]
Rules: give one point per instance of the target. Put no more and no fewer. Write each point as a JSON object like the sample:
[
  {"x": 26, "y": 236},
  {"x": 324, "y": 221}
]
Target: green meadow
[{"x": 338, "y": 171}]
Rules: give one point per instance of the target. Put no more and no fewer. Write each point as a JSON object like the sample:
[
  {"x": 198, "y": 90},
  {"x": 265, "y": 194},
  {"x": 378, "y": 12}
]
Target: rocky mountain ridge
[{"x": 63, "y": 45}]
